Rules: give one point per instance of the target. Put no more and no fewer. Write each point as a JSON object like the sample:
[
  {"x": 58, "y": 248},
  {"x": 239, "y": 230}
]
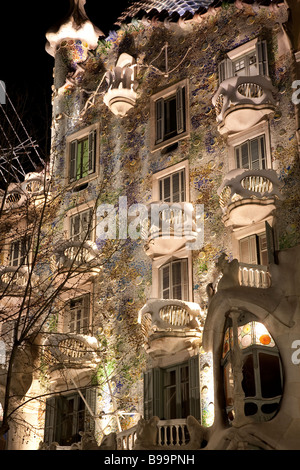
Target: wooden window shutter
[
  {"x": 194, "y": 386},
  {"x": 180, "y": 95},
  {"x": 270, "y": 243},
  {"x": 148, "y": 394},
  {"x": 262, "y": 58},
  {"x": 159, "y": 117},
  {"x": 158, "y": 392},
  {"x": 153, "y": 393},
  {"x": 225, "y": 70},
  {"x": 73, "y": 160},
  {"x": 50, "y": 419},
  {"x": 248, "y": 251},
  {"x": 91, "y": 399},
  {"x": 92, "y": 151}
]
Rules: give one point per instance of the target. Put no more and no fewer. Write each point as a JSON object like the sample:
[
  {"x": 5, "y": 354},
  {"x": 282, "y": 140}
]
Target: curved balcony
[
  {"x": 170, "y": 326},
  {"x": 76, "y": 254},
  {"x": 171, "y": 314},
  {"x": 70, "y": 350},
  {"x": 248, "y": 196},
  {"x": 241, "y": 102},
  {"x": 172, "y": 226},
  {"x": 33, "y": 187},
  {"x": 13, "y": 279}
]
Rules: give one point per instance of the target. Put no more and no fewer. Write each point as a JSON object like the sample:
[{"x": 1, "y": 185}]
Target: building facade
[{"x": 171, "y": 235}]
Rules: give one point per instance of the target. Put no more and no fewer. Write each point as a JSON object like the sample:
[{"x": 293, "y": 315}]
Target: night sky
[{"x": 25, "y": 66}]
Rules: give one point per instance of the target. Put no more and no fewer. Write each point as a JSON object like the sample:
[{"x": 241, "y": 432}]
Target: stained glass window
[{"x": 261, "y": 369}]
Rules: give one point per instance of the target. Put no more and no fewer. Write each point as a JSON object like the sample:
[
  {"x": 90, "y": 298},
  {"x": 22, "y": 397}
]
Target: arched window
[{"x": 250, "y": 355}]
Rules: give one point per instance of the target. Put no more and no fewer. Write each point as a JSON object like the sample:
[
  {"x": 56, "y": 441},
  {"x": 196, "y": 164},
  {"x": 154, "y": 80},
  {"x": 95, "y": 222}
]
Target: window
[
  {"x": 176, "y": 392},
  {"x": 245, "y": 65},
  {"x": 82, "y": 156},
  {"x": 251, "y": 154},
  {"x": 81, "y": 226},
  {"x": 174, "y": 280},
  {"x": 173, "y": 392},
  {"x": 172, "y": 187},
  {"x": 262, "y": 381},
  {"x": 254, "y": 249},
  {"x": 169, "y": 112},
  {"x": 67, "y": 415},
  {"x": 19, "y": 252},
  {"x": 247, "y": 60},
  {"x": 79, "y": 315}
]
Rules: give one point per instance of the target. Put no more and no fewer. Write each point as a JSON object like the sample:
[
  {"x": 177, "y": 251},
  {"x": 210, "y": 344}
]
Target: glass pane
[
  {"x": 237, "y": 157},
  {"x": 170, "y": 394},
  {"x": 262, "y": 152},
  {"x": 170, "y": 118},
  {"x": 185, "y": 400},
  {"x": 252, "y": 64},
  {"x": 166, "y": 282},
  {"x": 248, "y": 382},
  {"x": 182, "y": 199},
  {"x": 245, "y": 156},
  {"x": 85, "y": 158},
  {"x": 176, "y": 280},
  {"x": 166, "y": 190},
  {"x": 79, "y": 160},
  {"x": 245, "y": 335},
  {"x": 255, "y": 165},
  {"x": 229, "y": 384},
  {"x": 175, "y": 188},
  {"x": 270, "y": 375},
  {"x": 262, "y": 336}
]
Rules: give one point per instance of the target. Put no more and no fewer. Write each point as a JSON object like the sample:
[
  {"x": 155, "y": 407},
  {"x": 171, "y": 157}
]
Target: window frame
[
  {"x": 53, "y": 416},
  {"x": 23, "y": 259},
  {"x": 91, "y": 134},
  {"x": 168, "y": 172},
  {"x": 226, "y": 66},
  {"x": 261, "y": 153},
  {"x": 180, "y": 92},
  {"x": 265, "y": 226},
  {"x": 255, "y": 248},
  {"x": 85, "y": 316},
  {"x": 154, "y": 389},
  {"x": 82, "y": 235},
  {"x": 254, "y": 350},
  {"x": 76, "y": 211},
  {"x": 184, "y": 273},
  {"x": 236, "y": 140}
]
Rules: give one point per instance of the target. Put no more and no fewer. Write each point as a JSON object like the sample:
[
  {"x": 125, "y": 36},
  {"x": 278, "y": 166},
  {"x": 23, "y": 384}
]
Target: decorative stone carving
[
  {"x": 241, "y": 102},
  {"x": 121, "y": 94},
  {"x": 230, "y": 271}
]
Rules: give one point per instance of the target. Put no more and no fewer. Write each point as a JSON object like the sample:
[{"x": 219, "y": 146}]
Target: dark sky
[{"x": 25, "y": 66}]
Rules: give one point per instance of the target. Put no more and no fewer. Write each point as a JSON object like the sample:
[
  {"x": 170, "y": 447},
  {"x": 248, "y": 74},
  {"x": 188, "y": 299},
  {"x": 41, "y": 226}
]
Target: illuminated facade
[{"x": 186, "y": 335}]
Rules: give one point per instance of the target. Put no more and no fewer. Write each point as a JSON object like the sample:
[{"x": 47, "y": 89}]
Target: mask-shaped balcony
[
  {"x": 241, "y": 102},
  {"x": 70, "y": 350},
  {"x": 13, "y": 279},
  {"x": 76, "y": 254},
  {"x": 170, "y": 325},
  {"x": 248, "y": 196},
  {"x": 172, "y": 226}
]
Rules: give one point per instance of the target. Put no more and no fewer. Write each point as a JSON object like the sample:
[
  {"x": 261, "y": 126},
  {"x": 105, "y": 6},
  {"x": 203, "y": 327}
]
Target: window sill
[{"x": 169, "y": 142}]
